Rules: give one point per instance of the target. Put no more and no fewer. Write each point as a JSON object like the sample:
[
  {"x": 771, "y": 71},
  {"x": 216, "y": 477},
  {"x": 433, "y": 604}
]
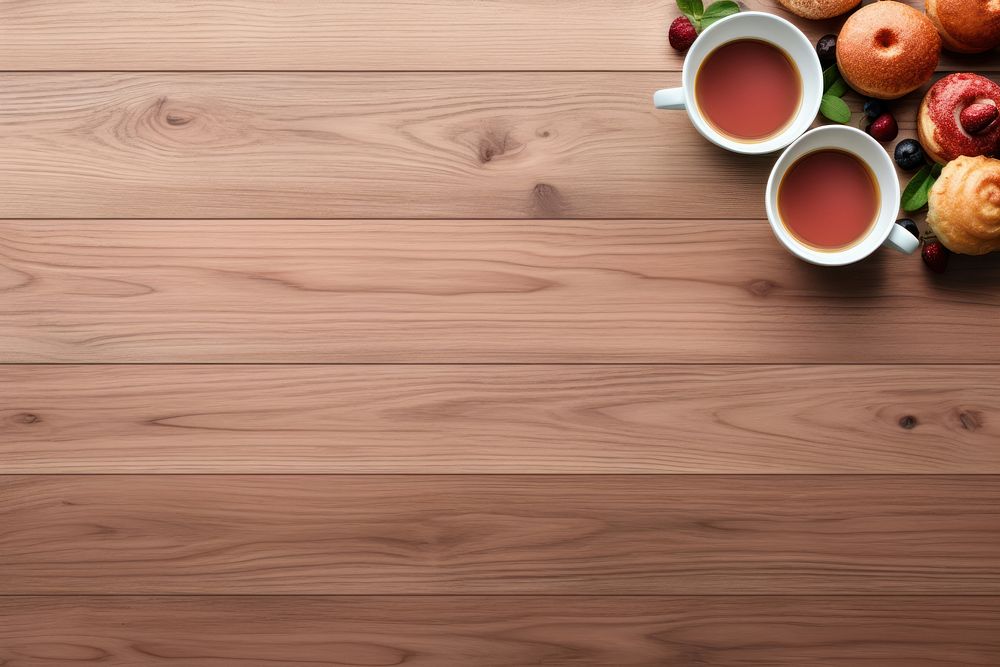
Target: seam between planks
[
  {"x": 591, "y": 475},
  {"x": 669, "y": 596},
  {"x": 418, "y": 72},
  {"x": 639, "y": 364}
]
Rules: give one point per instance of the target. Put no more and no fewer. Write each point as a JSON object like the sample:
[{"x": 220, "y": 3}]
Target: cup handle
[
  {"x": 901, "y": 240},
  {"x": 669, "y": 98}
]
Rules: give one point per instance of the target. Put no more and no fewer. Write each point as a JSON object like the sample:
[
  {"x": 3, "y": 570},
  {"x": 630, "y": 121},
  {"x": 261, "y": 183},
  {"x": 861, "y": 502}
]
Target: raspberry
[
  {"x": 935, "y": 256},
  {"x": 682, "y": 33}
]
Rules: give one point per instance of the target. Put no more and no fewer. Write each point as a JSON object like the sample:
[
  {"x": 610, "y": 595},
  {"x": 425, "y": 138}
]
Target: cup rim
[
  {"x": 884, "y": 172},
  {"x": 808, "y": 109}
]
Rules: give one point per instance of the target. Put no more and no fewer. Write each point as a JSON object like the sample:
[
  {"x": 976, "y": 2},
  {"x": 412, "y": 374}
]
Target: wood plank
[
  {"x": 365, "y": 145},
  {"x": 356, "y": 35},
  {"x": 473, "y": 291},
  {"x": 355, "y": 145},
  {"x": 496, "y": 534},
  {"x": 459, "y": 631},
  {"x": 500, "y": 419}
]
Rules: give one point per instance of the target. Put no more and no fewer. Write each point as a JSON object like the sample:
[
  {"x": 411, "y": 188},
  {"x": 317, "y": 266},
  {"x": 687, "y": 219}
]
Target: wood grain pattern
[
  {"x": 500, "y": 419},
  {"x": 357, "y": 35},
  {"x": 459, "y": 631},
  {"x": 473, "y": 291},
  {"x": 496, "y": 534},
  {"x": 365, "y": 145},
  {"x": 353, "y": 145},
  {"x": 469, "y": 199}
]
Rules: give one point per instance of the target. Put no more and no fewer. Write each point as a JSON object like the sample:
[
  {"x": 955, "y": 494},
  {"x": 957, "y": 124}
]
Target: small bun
[
  {"x": 819, "y": 9},
  {"x": 964, "y": 206},
  {"x": 887, "y": 49},
  {"x": 966, "y": 26},
  {"x": 939, "y": 124}
]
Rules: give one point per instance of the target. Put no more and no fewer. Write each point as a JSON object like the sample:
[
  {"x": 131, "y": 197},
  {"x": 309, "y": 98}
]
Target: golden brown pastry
[
  {"x": 960, "y": 115},
  {"x": 964, "y": 206},
  {"x": 966, "y": 26},
  {"x": 887, "y": 49},
  {"x": 819, "y": 9}
]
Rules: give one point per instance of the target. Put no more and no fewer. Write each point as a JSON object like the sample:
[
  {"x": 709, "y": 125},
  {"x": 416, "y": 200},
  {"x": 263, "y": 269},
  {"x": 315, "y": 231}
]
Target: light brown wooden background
[{"x": 381, "y": 332}]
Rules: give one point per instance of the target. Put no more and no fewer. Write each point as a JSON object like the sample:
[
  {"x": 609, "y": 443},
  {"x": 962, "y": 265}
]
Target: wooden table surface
[{"x": 399, "y": 332}]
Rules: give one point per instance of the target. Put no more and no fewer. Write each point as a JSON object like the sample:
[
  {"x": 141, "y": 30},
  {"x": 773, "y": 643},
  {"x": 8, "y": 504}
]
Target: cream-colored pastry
[
  {"x": 819, "y": 9},
  {"x": 964, "y": 205}
]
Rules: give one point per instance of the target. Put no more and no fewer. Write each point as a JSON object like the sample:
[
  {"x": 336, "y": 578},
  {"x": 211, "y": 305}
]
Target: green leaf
[
  {"x": 834, "y": 108},
  {"x": 915, "y": 195},
  {"x": 830, "y": 75},
  {"x": 692, "y": 9},
  {"x": 838, "y": 87},
  {"x": 718, "y": 10}
]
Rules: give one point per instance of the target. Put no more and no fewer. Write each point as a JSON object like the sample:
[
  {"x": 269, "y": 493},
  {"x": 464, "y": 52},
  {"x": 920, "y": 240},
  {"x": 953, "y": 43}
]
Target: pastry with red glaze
[
  {"x": 966, "y": 26},
  {"x": 958, "y": 116},
  {"x": 963, "y": 209},
  {"x": 887, "y": 49}
]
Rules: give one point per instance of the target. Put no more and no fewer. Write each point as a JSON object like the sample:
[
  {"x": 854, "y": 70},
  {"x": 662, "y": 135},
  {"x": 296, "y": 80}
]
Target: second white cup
[{"x": 883, "y": 232}]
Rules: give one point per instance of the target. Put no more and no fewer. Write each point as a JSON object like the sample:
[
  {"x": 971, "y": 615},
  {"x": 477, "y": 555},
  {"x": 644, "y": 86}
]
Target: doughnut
[
  {"x": 887, "y": 49},
  {"x": 966, "y": 26}
]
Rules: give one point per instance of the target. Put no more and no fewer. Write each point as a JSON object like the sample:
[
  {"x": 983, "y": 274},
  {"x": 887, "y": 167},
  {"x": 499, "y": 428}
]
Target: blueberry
[
  {"x": 874, "y": 109},
  {"x": 826, "y": 49},
  {"x": 909, "y": 226},
  {"x": 909, "y": 155}
]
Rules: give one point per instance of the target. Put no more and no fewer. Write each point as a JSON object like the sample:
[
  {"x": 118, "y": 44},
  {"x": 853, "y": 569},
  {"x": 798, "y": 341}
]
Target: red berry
[
  {"x": 977, "y": 117},
  {"x": 883, "y": 128},
  {"x": 682, "y": 33},
  {"x": 935, "y": 256}
]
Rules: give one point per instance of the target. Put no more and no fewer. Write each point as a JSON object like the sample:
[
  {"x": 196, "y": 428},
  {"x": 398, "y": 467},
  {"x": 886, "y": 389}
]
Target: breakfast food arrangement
[{"x": 753, "y": 83}]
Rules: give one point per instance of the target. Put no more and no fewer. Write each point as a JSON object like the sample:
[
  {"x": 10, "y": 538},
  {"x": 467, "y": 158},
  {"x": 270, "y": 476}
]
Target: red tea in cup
[
  {"x": 748, "y": 89},
  {"x": 828, "y": 199}
]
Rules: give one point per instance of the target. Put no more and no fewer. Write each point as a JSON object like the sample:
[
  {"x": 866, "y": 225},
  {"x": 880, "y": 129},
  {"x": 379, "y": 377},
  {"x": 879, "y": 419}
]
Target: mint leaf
[
  {"x": 838, "y": 87},
  {"x": 834, "y": 108},
  {"x": 718, "y": 10},
  {"x": 830, "y": 75},
  {"x": 915, "y": 195},
  {"x": 692, "y": 9}
]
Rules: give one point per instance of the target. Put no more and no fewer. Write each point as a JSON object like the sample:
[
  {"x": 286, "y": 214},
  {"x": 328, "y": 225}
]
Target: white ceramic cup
[
  {"x": 767, "y": 28},
  {"x": 885, "y": 231}
]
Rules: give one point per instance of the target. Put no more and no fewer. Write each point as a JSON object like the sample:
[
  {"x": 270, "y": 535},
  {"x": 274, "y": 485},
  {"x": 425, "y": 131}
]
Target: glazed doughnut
[
  {"x": 956, "y": 98},
  {"x": 887, "y": 49},
  {"x": 966, "y": 26}
]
